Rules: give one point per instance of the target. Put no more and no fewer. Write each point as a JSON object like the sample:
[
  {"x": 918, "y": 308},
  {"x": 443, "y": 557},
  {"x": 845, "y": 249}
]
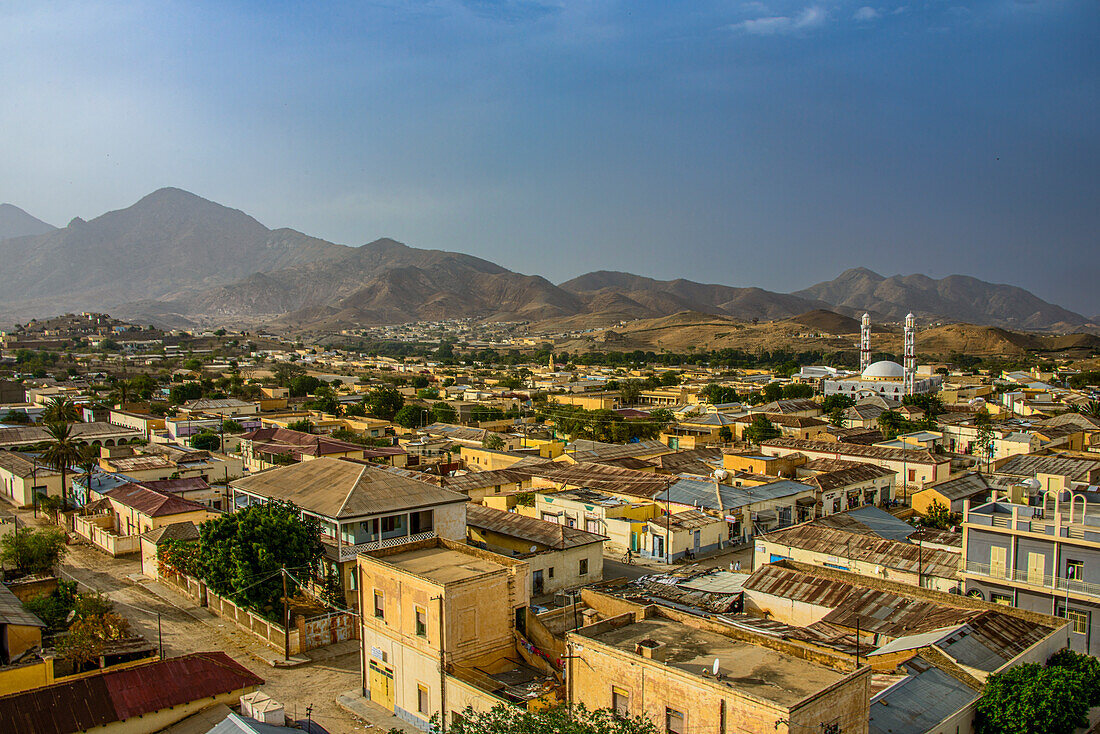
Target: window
[
  {"x": 1004, "y": 599},
  {"x": 353, "y": 579},
  {"x": 620, "y": 701},
  {"x": 421, "y": 699},
  {"x": 1075, "y": 570},
  {"x": 674, "y": 721},
  {"x": 1079, "y": 621},
  {"x": 379, "y": 605},
  {"x": 550, "y": 572},
  {"x": 584, "y": 567},
  {"x": 421, "y": 623}
]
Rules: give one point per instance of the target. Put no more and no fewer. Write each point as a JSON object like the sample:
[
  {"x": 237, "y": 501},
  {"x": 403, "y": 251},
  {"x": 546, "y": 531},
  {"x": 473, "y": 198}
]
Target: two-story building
[{"x": 359, "y": 507}]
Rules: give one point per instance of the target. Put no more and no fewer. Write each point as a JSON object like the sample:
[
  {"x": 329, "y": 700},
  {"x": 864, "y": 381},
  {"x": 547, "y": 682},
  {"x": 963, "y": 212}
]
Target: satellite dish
[
  {"x": 714, "y": 668},
  {"x": 720, "y": 474},
  {"x": 534, "y": 548}
]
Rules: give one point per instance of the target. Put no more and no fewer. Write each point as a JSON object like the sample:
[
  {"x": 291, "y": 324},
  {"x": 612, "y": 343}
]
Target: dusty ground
[{"x": 315, "y": 684}]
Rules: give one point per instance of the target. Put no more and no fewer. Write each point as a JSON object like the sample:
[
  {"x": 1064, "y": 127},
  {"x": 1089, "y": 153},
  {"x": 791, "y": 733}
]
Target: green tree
[
  {"x": 1031, "y": 699},
  {"x": 60, "y": 409},
  {"x": 663, "y": 416},
  {"x": 16, "y": 417},
  {"x": 725, "y": 435},
  {"x": 932, "y": 405},
  {"x": 1085, "y": 665},
  {"x": 356, "y": 410},
  {"x": 940, "y": 516},
  {"x": 493, "y": 441},
  {"x": 180, "y": 394},
  {"x": 54, "y": 608},
  {"x": 195, "y": 365},
  {"x": 891, "y": 423},
  {"x": 32, "y": 551},
  {"x": 241, "y": 553},
  {"x": 383, "y": 402},
  {"x": 836, "y": 417},
  {"x": 773, "y": 391},
  {"x": 716, "y": 394},
  {"x": 564, "y": 719},
  {"x": 630, "y": 392},
  {"x": 231, "y": 426},
  {"x": 304, "y": 425},
  {"x": 482, "y": 413},
  {"x": 410, "y": 416},
  {"x": 206, "y": 441},
  {"x": 832, "y": 402},
  {"x": 444, "y": 413},
  {"x": 761, "y": 429},
  {"x": 798, "y": 390},
  {"x": 62, "y": 452},
  {"x": 984, "y": 436},
  {"x": 303, "y": 385}
]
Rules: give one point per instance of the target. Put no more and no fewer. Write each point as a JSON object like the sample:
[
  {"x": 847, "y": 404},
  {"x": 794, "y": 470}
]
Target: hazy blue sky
[{"x": 770, "y": 143}]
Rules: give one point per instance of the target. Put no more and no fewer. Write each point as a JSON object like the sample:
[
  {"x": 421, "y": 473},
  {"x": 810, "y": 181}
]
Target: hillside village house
[
  {"x": 116, "y": 518},
  {"x": 558, "y": 557},
  {"x": 917, "y": 468},
  {"x": 440, "y": 628},
  {"x": 21, "y": 477},
  {"x": 260, "y": 448},
  {"x": 359, "y": 506},
  {"x": 85, "y": 434}
]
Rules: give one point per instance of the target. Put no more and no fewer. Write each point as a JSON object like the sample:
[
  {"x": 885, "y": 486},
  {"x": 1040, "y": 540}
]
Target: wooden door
[
  {"x": 381, "y": 685},
  {"x": 997, "y": 558},
  {"x": 1036, "y": 563}
]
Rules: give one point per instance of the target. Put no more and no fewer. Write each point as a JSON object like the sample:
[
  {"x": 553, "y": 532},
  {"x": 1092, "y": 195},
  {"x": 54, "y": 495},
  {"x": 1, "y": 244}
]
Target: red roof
[
  {"x": 151, "y": 502},
  {"x": 296, "y": 443},
  {"x": 118, "y": 695}
]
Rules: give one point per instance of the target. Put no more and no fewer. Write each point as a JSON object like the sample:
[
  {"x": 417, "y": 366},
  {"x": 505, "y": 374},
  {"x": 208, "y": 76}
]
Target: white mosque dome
[{"x": 884, "y": 370}]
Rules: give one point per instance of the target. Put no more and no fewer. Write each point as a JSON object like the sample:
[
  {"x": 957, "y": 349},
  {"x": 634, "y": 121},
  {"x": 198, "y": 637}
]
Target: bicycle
[{"x": 628, "y": 558}]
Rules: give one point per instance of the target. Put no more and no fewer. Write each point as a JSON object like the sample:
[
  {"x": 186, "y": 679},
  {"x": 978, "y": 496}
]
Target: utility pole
[
  {"x": 160, "y": 637},
  {"x": 286, "y": 618},
  {"x": 442, "y": 669}
]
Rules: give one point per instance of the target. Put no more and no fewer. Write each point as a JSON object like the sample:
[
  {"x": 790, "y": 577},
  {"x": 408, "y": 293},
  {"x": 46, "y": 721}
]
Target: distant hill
[
  {"x": 167, "y": 242},
  {"x": 954, "y": 298},
  {"x": 384, "y": 282},
  {"x": 652, "y": 297},
  {"x": 14, "y": 222},
  {"x": 827, "y": 321},
  {"x": 176, "y": 259}
]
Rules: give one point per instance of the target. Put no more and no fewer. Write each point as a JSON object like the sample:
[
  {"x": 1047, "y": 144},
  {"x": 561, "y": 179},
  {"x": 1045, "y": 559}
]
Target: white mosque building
[{"x": 885, "y": 378}]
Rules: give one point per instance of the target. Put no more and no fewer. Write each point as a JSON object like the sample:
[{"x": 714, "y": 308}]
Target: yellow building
[
  {"x": 606, "y": 400},
  {"x": 19, "y": 629},
  {"x": 558, "y": 557},
  {"x": 439, "y": 629},
  {"x": 687, "y": 674},
  {"x": 21, "y": 475}
]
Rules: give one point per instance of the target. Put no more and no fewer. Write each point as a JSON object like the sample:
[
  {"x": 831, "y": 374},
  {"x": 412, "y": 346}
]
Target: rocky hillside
[
  {"x": 14, "y": 222},
  {"x": 954, "y": 298}
]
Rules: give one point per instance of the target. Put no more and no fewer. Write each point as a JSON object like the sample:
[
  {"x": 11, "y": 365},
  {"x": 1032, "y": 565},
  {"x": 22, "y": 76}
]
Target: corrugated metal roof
[
  {"x": 918, "y": 702},
  {"x": 550, "y": 534},
  {"x": 122, "y": 694},
  {"x": 797, "y": 586},
  {"x": 870, "y": 520},
  {"x": 343, "y": 489},
  {"x": 859, "y": 451},
  {"x": 150, "y": 502},
  {"x": 12, "y": 610},
  {"x": 893, "y": 554},
  {"x": 1027, "y": 465},
  {"x": 847, "y": 476},
  {"x": 961, "y": 487}
]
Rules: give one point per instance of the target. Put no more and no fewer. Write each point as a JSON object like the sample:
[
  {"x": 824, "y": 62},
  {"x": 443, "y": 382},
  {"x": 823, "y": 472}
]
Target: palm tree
[
  {"x": 62, "y": 452},
  {"x": 60, "y": 409},
  {"x": 1091, "y": 409},
  {"x": 89, "y": 460}
]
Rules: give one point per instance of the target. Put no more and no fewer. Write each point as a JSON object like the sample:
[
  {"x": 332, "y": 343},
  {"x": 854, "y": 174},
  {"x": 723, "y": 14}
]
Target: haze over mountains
[{"x": 173, "y": 257}]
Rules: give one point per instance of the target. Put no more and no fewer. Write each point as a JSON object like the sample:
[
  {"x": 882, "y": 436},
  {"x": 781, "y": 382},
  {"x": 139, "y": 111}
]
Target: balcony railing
[
  {"x": 349, "y": 552},
  {"x": 1055, "y": 583}
]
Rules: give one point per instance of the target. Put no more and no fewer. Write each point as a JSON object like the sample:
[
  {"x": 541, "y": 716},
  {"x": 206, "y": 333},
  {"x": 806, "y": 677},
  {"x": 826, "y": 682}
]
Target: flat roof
[
  {"x": 757, "y": 671},
  {"x": 442, "y": 565}
]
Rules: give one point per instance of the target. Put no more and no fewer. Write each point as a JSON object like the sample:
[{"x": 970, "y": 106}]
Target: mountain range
[{"x": 175, "y": 258}]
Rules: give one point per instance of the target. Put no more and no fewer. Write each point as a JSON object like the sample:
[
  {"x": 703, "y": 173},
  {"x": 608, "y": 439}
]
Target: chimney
[{"x": 650, "y": 649}]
